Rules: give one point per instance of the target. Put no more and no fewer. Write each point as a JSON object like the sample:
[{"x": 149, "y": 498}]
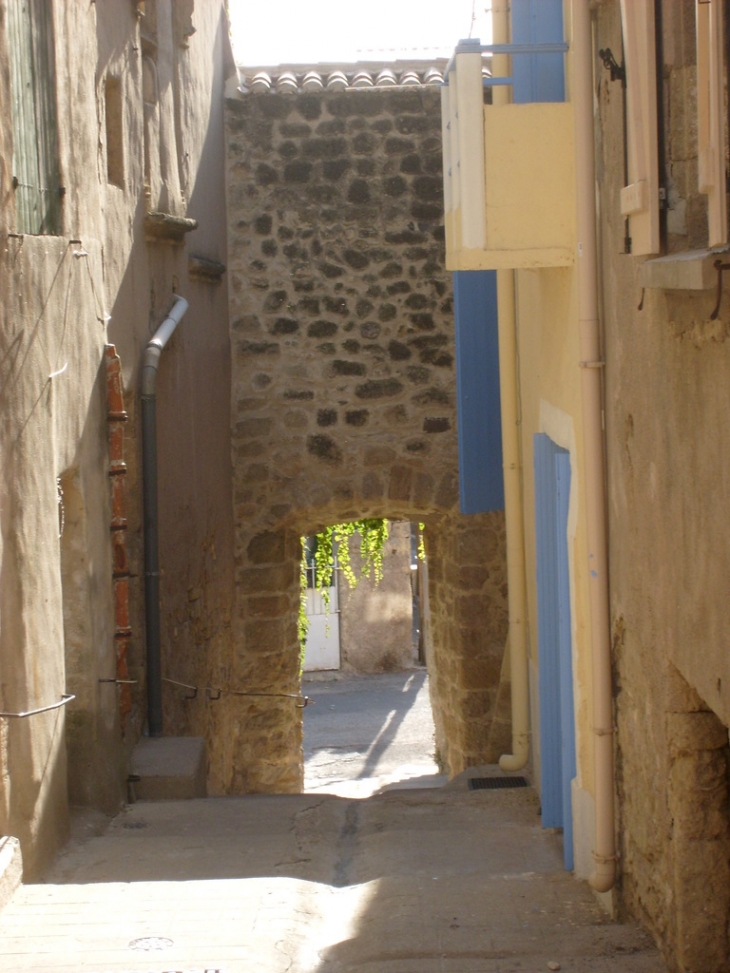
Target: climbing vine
[
  {"x": 332, "y": 546},
  {"x": 335, "y": 541}
]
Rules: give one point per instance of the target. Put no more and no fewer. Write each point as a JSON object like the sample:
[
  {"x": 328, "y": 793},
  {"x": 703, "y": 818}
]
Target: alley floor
[{"x": 418, "y": 880}]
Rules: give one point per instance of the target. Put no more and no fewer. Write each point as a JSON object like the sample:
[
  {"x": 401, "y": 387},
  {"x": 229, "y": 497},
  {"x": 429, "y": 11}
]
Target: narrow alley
[{"x": 412, "y": 880}]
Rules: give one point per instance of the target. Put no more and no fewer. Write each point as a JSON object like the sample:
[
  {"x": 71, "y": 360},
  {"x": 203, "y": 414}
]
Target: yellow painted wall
[{"x": 550, "y": 402}]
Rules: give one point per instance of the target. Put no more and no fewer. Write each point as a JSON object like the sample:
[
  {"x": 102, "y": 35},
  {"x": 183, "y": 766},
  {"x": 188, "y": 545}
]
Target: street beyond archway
[{"x": 363, "y": 733}]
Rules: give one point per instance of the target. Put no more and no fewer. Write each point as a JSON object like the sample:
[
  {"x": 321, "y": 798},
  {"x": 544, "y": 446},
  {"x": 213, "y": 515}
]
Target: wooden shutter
[
  {"x": 640, "y": 198},
  {"x": 35, "y": 137},
  {"x": 710, "y": 116}
]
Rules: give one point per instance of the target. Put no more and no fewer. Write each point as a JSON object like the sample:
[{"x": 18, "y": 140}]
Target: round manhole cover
[{"x": 151, "y": 942}]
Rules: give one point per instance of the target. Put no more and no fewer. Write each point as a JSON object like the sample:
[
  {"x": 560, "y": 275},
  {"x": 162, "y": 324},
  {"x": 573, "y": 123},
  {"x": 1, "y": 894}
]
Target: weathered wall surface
[
  {"x": 376, "y": 620},
  {"x": 57, "y": 618},
  {"x": 343, "y": 380},
  {"x": 173, "y": 162},
  {"x": 669, "y": 466}
]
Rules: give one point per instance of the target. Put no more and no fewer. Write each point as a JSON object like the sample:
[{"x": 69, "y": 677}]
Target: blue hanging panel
[
  {"x": 551, "y": 790},
  {"x": 554, "y": 632},
  {"x": 565, "y": 650},
  {"x": 481, "y": 484},
  {"x": 538, "y": 77}
]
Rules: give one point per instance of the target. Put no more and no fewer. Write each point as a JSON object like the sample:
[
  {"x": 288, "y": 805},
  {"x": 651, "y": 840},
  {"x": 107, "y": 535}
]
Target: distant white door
[{"x": 323, "y": 637}]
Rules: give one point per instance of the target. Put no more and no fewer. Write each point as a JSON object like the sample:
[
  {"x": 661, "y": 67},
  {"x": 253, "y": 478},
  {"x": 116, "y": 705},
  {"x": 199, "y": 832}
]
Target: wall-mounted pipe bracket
[
  {"x": 719, "y": 267},
  {"x": 65, "y": 698}
]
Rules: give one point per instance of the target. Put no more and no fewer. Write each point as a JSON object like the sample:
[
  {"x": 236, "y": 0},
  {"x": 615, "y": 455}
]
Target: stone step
[{"x": 168, "y": 769}]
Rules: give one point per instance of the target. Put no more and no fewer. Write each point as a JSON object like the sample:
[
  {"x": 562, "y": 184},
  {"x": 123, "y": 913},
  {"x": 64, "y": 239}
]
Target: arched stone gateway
[{"x": 344, "y": 407}]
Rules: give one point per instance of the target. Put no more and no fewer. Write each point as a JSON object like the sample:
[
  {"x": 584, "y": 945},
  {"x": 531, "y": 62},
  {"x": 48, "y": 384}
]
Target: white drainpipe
[
  {"x": 604, "y": 873},
  {"x": 513, "y": 508}
]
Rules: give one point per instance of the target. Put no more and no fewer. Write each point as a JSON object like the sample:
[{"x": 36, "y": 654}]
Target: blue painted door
[{"x": 555, "y": 654}]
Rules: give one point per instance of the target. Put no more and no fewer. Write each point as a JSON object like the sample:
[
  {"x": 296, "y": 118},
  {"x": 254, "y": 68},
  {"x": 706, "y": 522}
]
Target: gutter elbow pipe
[{"x": 148, "y": 383}]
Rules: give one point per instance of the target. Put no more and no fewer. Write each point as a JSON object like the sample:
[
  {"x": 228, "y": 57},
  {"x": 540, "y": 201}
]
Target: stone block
[
  {"x": 702, "y": 903},
  {"x": 698, "y": 795},
  {"x": 267, "y": 606},
  {"x": 687, "y": 732},
  {"x": 169, "y": 768},
  {"x": 266, "y": 548},
  {"x": 324, "y": 448},
  {"x": 268, "y": 578},
  {"x": 399, "y": 487},
  {"x": 379, "y": 388}
]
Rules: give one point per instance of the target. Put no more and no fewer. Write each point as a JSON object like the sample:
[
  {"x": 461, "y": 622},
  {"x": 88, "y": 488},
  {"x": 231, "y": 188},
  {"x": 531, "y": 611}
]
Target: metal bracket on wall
[
  {"x": 618, "y": 71},
  {"x": 719, "y": 267},
  {"x": 65, "y": 698}
]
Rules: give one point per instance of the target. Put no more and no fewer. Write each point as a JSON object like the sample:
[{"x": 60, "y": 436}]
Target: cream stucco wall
[{"x": 547, "y": 322}]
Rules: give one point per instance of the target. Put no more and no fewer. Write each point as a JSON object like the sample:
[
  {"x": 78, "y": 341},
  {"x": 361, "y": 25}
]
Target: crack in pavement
[{"x": 346, "y": 844}]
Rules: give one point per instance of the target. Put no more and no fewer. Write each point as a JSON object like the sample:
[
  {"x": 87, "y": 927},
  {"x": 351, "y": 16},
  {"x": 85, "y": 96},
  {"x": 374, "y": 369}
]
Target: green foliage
[
  {"x": 335, "y": 540},
  {"x": 302, "y": 620},
  {"x": 421, "y": 542}
]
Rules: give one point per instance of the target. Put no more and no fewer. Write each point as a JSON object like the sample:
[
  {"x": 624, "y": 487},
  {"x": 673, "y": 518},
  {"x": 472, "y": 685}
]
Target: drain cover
[
  {"x": 496, "y": 783},
  {"x": 149, "y": 943}
]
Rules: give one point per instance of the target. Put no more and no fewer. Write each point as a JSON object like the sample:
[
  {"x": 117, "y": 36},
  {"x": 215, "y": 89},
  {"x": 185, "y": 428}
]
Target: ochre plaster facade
[{"x": 667, "y": 398}]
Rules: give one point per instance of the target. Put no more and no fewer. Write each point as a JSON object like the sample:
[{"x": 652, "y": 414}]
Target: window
[
  {"x": 114, "y": 131},
  {"x": 35, "y": 137},
  {"x": 711, "y": 117}
]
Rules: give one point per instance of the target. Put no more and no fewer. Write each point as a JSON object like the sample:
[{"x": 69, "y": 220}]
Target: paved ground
[
  {"x": 363, "y": 733},
  {"x": 439, "y": 880}
]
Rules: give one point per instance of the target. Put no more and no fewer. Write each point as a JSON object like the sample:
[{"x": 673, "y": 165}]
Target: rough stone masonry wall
[
  {"x": 343, "y": 394},
  {"x": 667, "y": 399}
]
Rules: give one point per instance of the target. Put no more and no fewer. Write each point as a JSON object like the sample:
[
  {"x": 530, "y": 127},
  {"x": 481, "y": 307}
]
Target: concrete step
[{"x": 168, "y": 769}]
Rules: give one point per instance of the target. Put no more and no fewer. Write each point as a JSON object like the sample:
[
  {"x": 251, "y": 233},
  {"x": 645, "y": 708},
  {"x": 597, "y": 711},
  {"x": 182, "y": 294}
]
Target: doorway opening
[{"x": 371, "y": 724}]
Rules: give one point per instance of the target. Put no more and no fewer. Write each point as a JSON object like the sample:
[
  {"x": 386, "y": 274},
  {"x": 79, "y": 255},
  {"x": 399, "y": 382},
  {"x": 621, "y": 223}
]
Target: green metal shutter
[{"x": 35, "y": 130}]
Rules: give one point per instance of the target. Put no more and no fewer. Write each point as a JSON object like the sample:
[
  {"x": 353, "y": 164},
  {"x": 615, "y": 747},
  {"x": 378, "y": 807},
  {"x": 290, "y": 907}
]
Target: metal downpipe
[{"x": 150, "y": 365}]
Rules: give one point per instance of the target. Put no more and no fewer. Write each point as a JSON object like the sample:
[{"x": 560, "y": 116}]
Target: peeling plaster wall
[
  {"x": 343, "y": 400},
  {"x": 56, "y": 594},
  {"x": 667, "y": 401}
]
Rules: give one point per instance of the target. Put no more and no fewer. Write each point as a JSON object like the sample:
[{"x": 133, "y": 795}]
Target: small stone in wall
[
  {"x": 326, "y": 417},
  {"x": 324, "y": 448},
  {"x": 437, "y": 424},
  {"x": 356, "y": 417},
  {"x": 379, "y": 388},
  {"x": 342, "y": 367}
]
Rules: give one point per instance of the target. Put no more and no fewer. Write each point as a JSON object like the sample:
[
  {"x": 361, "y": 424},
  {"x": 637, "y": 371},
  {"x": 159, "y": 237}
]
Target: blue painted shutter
[
  {"x": 538, "y": 77},
  {"x": 481, "y": 483}
]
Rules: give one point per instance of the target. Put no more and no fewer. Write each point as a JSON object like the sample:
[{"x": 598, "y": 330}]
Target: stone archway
[{"x": 344, "y": 406}]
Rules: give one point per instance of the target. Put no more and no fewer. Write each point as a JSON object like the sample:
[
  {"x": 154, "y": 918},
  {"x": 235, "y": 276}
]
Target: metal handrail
[{"x": 65, "y": 698}]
